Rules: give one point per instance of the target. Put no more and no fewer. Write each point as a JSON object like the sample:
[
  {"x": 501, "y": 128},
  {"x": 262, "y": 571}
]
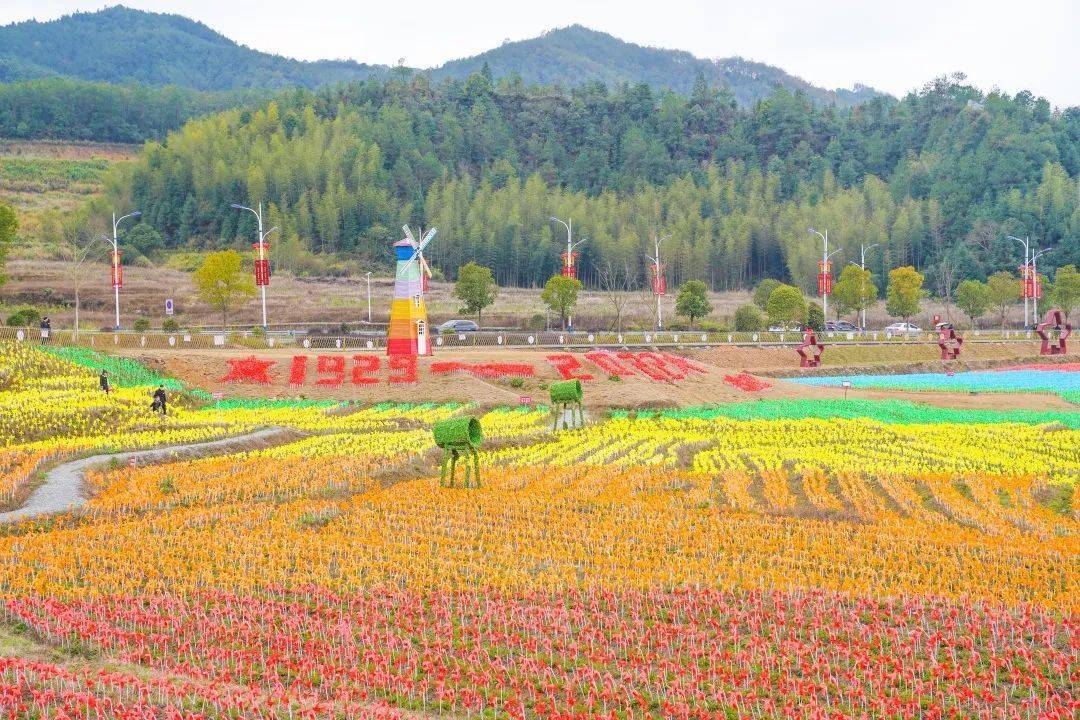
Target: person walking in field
[
  {"x": 46, "y": 329},
  {"x": 159, "y": 400},
  {"x": 103, "y": 380}
]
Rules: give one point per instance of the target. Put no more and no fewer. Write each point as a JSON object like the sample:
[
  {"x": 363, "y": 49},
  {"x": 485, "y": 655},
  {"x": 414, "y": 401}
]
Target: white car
[{"x": 902, "y": 327}]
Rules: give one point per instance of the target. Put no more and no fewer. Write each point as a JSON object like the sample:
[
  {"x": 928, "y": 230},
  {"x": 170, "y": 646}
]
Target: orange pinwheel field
[{"x": 683, "y": 565}]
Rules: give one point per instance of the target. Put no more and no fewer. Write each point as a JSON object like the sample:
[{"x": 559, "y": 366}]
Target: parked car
[
  {"x": 786, "y": 328},
  {"x": 901, "y": 328},
  {"x": 841, "y": 326},
  {"x": 943, "y": 326},
  {"x": 451, "y": 326}
]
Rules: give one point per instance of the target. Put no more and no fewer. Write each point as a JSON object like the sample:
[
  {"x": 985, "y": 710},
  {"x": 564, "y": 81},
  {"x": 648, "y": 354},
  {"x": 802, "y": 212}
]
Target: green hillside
[
  {"x": 577, "y": 55},
  {"x": 121, "y": 45},
  {"x": 939, "y": 178}
]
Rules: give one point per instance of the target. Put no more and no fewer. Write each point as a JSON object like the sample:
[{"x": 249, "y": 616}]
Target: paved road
[{"x": 63, "y": 487}]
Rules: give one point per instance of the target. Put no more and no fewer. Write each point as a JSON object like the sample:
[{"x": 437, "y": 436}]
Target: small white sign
[
  {"x": 169, "y": 306},
  {"x": 845, "y": 384}
]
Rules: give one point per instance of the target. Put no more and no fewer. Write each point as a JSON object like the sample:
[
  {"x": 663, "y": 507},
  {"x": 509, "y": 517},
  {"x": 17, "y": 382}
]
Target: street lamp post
[
  {"x": 1035, "y": 284},
  {"x": 116, "y": 259},
  {"x": 1026, "y": 242},
  {"x": 825, "y": 255},
  {"x": 262, "y": 251},
  {"x": 656, "y": 272},
  {"x": 863, "y": 247},
  {"x": 570, "y": 245},
  {"x": 367, "y": 276}
]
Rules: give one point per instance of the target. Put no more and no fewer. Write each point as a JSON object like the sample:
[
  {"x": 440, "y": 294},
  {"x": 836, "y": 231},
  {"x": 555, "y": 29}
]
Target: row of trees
[
  {"x": 222, "y": 282},
  {"x": 776, "y": 303},
  {"x": 784, "y": 305},
  {"x": 66, "y": 109},
  {"x": 938, "y": 179}
]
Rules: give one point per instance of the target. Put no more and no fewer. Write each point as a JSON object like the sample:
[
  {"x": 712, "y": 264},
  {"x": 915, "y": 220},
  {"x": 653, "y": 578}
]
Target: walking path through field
[{"x": 63, "y": 486}]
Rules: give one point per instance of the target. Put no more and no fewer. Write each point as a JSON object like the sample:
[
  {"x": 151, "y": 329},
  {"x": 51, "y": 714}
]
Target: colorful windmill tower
[{"x": 409, "y": 333}]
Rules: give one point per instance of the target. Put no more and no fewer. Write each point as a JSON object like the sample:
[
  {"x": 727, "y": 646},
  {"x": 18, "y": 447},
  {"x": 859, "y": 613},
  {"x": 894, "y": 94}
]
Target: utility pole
[
  {"x": 863, "y": 247},
  {"x": 569, "y": 269},
  {"x": 1026, "y": 242},
  {"x": 117, "y": 274},
  {"x": 825, "y": 255},
  {"x": 367, "y": 276},
  {"x": 263, "y": 259}
]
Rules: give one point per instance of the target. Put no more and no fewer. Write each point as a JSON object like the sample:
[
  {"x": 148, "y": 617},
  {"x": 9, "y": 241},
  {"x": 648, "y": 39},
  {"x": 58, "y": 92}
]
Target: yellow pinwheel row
[{"x": 239, "y": 524}]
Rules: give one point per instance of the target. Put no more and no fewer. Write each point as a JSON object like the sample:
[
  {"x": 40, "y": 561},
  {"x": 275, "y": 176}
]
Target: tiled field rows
[{"x": 835, "y": 560}]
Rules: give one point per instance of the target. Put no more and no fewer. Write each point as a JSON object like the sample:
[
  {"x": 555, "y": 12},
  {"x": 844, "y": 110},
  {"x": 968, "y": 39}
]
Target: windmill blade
[
  {"x": 424, "y": 268},
  {"x": 428, "y": 237},
  {"x": 408, "y": 234}
]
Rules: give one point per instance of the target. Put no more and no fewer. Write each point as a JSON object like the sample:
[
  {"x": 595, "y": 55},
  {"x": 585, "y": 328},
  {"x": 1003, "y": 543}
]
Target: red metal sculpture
[
  {"x": 1053, "y": 331},
  {"x": 949, "y": 342},
  {"x": 810, "y": 351}
]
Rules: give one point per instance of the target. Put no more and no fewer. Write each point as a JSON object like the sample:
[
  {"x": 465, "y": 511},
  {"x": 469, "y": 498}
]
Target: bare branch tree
[
  {"x": 79, "y": 244},
  {"x": 945, "y": 280},
  {"x": 616, "y": 282}
]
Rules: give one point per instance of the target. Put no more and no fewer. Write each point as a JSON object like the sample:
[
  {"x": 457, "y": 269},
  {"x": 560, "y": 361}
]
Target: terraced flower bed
[{"x": 805, "y": 559}]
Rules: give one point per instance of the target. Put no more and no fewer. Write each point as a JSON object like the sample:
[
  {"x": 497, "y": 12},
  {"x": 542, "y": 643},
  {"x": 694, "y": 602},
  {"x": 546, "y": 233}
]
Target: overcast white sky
[{"x": 895, "y": 46}]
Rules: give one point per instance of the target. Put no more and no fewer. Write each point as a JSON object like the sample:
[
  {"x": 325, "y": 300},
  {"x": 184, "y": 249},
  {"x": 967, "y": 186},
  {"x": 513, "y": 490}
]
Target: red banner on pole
[
  {"x": 262, "y": 272},
  {"x": 569, "y": 268},
  {"x": 262, "y": 263},
  {"x": 824, "y": 278},
  {"x": 1030, "y": 282},
  {"x": 117, "y": 271},
  {"x": 659, "y": 282}
]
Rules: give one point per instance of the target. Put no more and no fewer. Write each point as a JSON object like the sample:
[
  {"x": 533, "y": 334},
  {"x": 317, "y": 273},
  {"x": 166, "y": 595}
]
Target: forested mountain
[
  {"x": 576, "y": 55},
  {"x": 121, "y": 45},
  {"x": 941, "y": 176}
]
